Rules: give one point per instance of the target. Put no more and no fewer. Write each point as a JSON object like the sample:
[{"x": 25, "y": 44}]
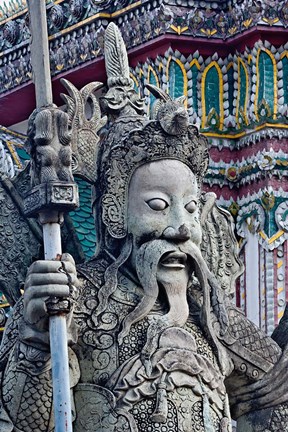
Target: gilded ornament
[
  {"x": 232, "y": 174},
  {"x": 266, "y": 161},
  {"x": 268, "y": 200}
]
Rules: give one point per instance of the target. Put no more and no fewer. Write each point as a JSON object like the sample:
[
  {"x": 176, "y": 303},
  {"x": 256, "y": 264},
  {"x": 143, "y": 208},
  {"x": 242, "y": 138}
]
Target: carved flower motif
[
  {"x": 76, "y": 8},
  {"x": 99, "y": 417},
  {"x": 253, "y": 215},
  {"x": 11, "y": 31},
  {"x": 136, "y": 154},
  {"x": 57, "y": 16},
  {"x": 232, "y": 174},
  {"x": 266, "y": 161}
]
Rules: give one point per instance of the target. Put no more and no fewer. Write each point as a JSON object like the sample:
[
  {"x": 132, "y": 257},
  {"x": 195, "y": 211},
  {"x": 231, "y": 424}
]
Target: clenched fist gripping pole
[{"x": 53, "y": 193}]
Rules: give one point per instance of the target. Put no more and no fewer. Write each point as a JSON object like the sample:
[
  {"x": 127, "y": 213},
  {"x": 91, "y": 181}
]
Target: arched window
[
  {"x": 241, "y": 110},
  {"x": 212, "y": 97},
  {"x": 285, "y": 77},
  {"x": 136, "y": 83},
  {"x": 230, "y": 73},
  {"x": 152, "y": 79},
  {"x": 266, "y": 87},
  {"x": 177, "y": 79},
  {"x": 194, "y": 68}
]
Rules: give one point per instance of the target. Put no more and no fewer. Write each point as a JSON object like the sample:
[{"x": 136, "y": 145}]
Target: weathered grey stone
[{"x": 156, "y": 343}]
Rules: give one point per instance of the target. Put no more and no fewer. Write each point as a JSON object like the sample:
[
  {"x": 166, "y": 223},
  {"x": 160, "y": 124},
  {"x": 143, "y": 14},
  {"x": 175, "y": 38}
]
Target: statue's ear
[
  {"x": 113, "y": 216},
  {"x": 219, "y": 246}
]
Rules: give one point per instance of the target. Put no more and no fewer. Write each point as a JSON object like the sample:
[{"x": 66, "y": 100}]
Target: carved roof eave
[
  {"x": 142, "y": 24},
  {"x": 198, "y": 20},
  {"x": 184, "y": 20},
  {"x": 92, "y": 68},
  {"x": 10, "y": 11}
]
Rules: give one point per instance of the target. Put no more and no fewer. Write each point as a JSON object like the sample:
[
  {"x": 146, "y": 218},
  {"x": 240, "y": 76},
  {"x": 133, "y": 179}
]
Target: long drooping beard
[
  {"x": 147, "y": 265},
  {"x": 151, "y": 272}
]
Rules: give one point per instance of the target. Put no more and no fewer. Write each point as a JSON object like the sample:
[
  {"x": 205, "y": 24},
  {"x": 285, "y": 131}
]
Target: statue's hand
[{"x": 48, "y": 280}]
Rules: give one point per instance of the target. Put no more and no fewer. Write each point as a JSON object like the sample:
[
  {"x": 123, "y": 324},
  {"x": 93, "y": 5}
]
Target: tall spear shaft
[
  {"x": 39, "y": 48},
  {"x": 50, "y": 220}
]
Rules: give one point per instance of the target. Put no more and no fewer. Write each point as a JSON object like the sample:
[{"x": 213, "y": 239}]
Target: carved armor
[
  {"x": 156, "y": 343},
  {"x": 111, "y": 388}
]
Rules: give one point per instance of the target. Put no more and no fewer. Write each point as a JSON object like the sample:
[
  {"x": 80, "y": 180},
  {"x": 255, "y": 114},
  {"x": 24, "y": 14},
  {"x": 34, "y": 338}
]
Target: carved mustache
[
  {"x": 212, "y": 291},
  {"x": 168, "y": 234},
  {"x": 149, "y": 256},
  {"x": 164, "y": 252}
]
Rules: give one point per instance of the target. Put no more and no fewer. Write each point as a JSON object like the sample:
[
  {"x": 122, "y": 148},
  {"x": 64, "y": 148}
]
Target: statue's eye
[
  {"x": 157, "y": 204},
  {"x": 191, "y": 206}
]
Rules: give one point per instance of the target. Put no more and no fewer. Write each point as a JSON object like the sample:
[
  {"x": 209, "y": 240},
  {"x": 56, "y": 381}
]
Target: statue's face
[{"x": 163, "y": 204}]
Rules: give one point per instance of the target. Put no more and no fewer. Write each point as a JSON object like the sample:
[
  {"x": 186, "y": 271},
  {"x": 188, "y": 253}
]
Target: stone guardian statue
[{"x": 156, "y": 343}]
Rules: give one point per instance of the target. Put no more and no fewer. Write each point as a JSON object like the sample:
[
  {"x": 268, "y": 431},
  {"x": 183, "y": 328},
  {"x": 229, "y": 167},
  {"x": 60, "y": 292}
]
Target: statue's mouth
[{"x": 174, "y": 260}]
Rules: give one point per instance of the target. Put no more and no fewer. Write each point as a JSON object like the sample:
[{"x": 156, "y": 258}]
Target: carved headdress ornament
[
  {"x": 121, "y": 98},
  {"x": 168, "y": 136},
  {"x": 150, "y": 143},
  {"x": 129, "y": 138}
]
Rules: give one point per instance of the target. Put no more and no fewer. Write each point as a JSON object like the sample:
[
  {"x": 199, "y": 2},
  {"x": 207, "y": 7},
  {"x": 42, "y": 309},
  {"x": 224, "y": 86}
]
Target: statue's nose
[{"x": 180, "y": 233}]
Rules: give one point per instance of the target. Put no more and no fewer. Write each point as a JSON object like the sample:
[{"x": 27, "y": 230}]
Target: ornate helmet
[
  {"x": 129, "y": 139},
  {"x": 133, "y": 140},
  {"x": 143, "y": 145}
]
